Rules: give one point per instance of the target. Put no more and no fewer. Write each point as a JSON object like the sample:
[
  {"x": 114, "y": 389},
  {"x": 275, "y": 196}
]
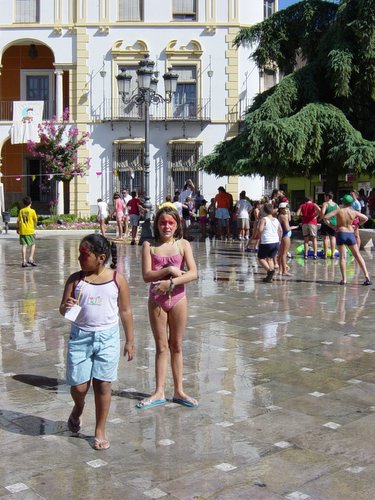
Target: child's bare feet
[
  {"x": 101, "y": 444},
  {"x": 155, "y": 399},
  {"x": 185, "y": 400}
]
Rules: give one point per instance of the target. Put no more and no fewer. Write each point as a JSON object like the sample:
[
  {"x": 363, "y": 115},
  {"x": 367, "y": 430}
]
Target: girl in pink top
[{"x": 163, "y": 266}]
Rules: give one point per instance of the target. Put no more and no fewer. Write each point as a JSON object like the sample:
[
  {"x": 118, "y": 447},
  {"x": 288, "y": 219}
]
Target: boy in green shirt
[{"x": 26, "y": 229}]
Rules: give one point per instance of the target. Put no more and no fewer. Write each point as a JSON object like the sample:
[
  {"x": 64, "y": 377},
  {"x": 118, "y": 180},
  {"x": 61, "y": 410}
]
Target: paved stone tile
[
  {"x": 279, "y": 425},
  {"x": 343, "y": 484},
  {"x": 295, "y": 468},
  {"x": 327, "y": 408},
  {"x": 253, "y": 354}
]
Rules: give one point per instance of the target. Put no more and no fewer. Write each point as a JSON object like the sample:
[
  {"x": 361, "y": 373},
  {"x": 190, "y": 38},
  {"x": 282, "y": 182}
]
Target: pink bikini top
[
  {"x": 167, "y": 301},
  {"x": 160, "y": 261}
]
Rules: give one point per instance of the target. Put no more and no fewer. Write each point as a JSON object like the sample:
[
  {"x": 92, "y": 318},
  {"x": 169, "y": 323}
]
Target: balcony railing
[
  {"x": 194, "y": 110},
  {"x": 6, "y": 110},
  {"x": 243, "y": 106}
]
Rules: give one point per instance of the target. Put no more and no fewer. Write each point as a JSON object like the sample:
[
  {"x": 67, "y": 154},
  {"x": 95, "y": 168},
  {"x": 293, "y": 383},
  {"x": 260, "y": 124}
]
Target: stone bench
[{"x": 367, "y": 238}]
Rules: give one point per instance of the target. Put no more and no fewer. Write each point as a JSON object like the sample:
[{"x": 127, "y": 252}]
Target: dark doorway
[
  {"x": 34, "y": 179},
  {"x": 40, "y": 190}
]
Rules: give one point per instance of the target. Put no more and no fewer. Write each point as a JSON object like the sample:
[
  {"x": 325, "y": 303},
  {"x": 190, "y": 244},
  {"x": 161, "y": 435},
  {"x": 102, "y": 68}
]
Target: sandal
[{"x": 101, "y": 444}]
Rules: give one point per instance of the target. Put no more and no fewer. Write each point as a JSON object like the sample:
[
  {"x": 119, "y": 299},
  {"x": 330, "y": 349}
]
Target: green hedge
[
  {"x": 14, "y": 209},
  {"x": 64, "y": 219}
]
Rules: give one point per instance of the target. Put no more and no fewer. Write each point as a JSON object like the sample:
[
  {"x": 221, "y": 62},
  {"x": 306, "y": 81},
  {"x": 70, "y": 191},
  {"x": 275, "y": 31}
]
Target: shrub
[
  {"x": 67, "y": 217},
  {"x": 67, "y": 221},
  {"x": 14, "y": 209},
  {"x": 370, "y": 224}
]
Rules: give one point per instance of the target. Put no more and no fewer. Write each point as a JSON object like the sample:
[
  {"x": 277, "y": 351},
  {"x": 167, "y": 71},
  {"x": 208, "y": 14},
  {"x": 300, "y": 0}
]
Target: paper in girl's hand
[{"x": 72, "y": 313}]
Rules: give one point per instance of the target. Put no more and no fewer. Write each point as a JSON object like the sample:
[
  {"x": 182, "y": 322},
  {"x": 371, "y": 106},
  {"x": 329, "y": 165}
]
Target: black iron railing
[
  {"x": 6, "y": 110},
  {"x": 115, "y": 109}
]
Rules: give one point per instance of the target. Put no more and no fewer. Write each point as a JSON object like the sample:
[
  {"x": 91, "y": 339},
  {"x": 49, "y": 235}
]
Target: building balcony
[
  {"x": 6, "y": 110},
  {"x": 194, "y": 110},
  {"x": 243, "y": 107}
]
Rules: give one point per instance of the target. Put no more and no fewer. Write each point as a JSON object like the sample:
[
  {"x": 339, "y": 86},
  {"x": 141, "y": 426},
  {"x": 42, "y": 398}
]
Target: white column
[
  {"x": 59, "y": 113},
  {"x": 59, "y": 93},
  {"x": 60, "y": 197}
]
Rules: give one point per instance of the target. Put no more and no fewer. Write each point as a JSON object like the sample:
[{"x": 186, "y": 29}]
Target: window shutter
[
  {"x": 130, "y": 10},
  {"x": 27, "y": 11}
]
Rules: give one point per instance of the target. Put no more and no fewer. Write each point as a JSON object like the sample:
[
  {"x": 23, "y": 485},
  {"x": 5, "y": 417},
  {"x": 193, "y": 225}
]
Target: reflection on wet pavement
[{"x": 284, "y": 373}]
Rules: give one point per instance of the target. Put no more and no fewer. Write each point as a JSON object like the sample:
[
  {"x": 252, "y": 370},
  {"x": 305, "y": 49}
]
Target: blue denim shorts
[
  {"x": 222, "y": 214},
  {"x": 92, "y": 354}
]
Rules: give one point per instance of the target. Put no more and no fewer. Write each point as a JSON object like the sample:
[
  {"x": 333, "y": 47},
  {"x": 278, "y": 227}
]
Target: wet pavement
[{"x": 284, "y": 372}]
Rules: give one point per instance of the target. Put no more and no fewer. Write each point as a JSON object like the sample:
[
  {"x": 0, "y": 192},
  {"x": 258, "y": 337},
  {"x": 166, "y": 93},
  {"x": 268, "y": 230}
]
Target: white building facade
[{"x": 68, "y": 53}]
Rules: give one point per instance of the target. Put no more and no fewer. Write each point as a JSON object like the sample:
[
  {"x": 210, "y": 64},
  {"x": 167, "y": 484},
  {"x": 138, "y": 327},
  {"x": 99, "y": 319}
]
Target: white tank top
[
  {"x": 99, "y": 302},
  {"x": 270, "y": 232}
]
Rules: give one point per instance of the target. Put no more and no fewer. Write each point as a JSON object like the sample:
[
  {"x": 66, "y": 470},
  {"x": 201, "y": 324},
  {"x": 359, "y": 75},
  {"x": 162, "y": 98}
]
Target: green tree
[{"x": 321, "y": 118}]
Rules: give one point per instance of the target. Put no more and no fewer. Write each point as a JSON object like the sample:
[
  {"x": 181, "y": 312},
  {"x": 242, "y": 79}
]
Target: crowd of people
[
  {"x": 127, "y": 211},
  {"x": 339, "y": 227},
  {"x": 266, "y": 225}
]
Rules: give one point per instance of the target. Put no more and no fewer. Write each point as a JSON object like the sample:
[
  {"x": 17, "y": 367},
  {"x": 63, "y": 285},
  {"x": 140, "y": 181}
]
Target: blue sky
[{"x": 286, "y": 3}]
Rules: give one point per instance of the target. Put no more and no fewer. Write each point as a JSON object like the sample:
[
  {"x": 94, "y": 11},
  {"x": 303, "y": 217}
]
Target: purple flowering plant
[{"x": 58, "y": 149}]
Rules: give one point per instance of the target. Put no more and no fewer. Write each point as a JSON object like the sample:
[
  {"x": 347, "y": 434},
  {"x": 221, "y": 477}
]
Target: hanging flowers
[{"x": 58, "y": 149}]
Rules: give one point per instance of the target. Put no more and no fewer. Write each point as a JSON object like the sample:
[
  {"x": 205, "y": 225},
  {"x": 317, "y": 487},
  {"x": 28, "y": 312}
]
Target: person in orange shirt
[{"x": 223, "y": 206}]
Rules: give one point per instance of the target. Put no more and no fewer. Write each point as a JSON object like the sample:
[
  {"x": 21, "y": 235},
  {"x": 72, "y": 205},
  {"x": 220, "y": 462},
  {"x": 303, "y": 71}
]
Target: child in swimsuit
[
  {"x": 168, "y": 266},
  {"x": 285, "y": 238}
]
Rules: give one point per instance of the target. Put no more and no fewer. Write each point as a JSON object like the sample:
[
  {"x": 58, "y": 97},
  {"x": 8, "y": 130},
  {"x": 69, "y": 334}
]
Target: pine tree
[{"x": 320, "y": 118}]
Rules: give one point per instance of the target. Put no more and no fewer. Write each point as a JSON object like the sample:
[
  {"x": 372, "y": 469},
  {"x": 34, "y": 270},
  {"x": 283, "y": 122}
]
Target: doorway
[{"x": 39, "y": 188}]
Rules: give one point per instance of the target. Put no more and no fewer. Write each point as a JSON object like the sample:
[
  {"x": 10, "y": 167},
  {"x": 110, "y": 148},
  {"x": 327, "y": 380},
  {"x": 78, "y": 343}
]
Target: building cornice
[
  {"x": 99, "y": 26},
  {"x": 193, "y": 48},
  {"x": 129, "y": 140},
  {"x": 185, "y": 141},
  {"x": 139, "y": 48}
]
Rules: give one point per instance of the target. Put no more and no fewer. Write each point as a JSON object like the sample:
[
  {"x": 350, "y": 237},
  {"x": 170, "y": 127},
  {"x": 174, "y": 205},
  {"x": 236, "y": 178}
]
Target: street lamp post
[{"x": 145, "y": 96}]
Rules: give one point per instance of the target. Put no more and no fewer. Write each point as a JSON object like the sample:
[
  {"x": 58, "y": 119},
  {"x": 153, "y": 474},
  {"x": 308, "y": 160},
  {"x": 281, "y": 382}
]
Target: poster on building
[{"x": 26, "y": 117}]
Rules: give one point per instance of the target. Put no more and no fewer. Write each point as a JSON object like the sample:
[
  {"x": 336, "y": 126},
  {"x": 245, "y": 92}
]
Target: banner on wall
[{"x": 26, "y": 117}]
